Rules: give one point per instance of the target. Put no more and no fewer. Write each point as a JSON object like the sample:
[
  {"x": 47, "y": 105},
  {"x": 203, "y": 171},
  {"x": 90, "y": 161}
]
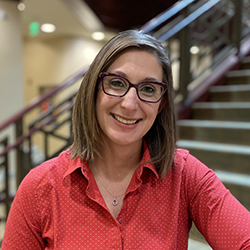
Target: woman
[{"x": 123, "y": 184}]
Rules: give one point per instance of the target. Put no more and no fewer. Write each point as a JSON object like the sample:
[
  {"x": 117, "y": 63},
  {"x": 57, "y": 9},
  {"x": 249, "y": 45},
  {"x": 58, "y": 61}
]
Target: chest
[
  {"x": 147, "y": 216},
  {"x": 113, "y": 204}
]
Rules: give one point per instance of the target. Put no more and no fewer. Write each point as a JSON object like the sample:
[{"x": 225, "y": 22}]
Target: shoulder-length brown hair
[{"x": 161, "y": 138}]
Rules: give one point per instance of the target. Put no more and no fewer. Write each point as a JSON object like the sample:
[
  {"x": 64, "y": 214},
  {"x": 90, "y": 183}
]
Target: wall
[
  {"x": 49, "y": 62},
  {"x": 11, "y": 63}
]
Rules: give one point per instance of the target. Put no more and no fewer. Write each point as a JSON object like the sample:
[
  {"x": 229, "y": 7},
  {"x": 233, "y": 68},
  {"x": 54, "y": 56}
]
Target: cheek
[{"x": 154, "y": 111}]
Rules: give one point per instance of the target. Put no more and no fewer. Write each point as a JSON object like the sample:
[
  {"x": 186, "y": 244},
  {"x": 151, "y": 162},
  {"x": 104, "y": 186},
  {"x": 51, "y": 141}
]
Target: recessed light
[
  {"x": 194, "y": 50},
  {"x": 48, "y": 27},
  {"x": 21, "y": 6},
  {"x": 98, "y": 36}
]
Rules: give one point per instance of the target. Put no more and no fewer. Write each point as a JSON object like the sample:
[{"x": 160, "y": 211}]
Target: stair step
[
  {"x": 230, "y": 93},
  {"x": 215, "y": 131},
  {"x": 238, "y": 184},
  {"x": 220, "y": 156},
  {"x": 222, "y": 111},
  {"x": 234, "y": 178},
  {"x": 238, "y": 77},
  {"x": 246, "y": 63}
]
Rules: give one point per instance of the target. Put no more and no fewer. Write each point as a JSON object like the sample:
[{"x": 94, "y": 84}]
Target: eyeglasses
[{"x": 147, "y": 91}]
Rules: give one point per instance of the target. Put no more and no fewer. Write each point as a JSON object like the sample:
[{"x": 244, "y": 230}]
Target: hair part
[{"x": 161, "y": 138}]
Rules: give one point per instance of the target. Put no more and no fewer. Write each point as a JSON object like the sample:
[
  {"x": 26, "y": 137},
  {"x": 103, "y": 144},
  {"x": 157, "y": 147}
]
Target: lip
[{"x": 125, "y": 121}]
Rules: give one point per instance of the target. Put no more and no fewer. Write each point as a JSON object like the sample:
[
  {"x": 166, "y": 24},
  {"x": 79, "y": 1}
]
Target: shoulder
[
  {"x": 191, "y": 170},
  {"x": 184, "y": 161},
  {"x": 59, "y": 165},
  {"x": 180, "y": 157},
  {"x": 195, "y": 176},
  {"x": 46, "y": 173}
]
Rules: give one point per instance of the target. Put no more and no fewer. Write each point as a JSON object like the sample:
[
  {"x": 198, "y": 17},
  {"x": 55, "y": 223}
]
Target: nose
[{"x": 130, "y": 100}]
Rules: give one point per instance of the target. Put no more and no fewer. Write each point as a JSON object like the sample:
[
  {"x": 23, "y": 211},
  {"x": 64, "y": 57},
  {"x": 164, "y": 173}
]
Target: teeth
[{"x": 125, "y": 121}]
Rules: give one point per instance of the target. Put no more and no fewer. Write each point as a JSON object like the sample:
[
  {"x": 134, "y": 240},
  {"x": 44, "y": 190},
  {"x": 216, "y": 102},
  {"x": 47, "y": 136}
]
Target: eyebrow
[{"x": 120, "y": 73}]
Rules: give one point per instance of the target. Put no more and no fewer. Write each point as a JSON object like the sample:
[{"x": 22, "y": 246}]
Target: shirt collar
[
  {"x": 75, "y": 164},
  {"x": 144, "y": 163}
]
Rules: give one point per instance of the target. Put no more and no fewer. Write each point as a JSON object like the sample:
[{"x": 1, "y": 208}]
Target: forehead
[
  {"x": 137, "y": 62},
  {"x": 136, "y": 51}
]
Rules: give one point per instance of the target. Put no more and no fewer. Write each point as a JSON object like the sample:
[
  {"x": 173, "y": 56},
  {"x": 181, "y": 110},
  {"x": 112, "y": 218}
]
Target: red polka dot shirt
[{"x": 58, "y": 206}]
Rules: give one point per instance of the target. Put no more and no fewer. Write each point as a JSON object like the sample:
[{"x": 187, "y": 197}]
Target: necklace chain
[{"x": 115, "y": 202}]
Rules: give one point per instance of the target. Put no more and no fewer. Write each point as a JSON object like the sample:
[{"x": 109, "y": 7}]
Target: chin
[{"x": 125, "y": 141}]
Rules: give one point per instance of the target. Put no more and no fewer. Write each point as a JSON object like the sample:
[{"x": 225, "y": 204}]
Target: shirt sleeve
[
  {"x": 22, "y": 230},
  {"x": 217, "y": 214}
]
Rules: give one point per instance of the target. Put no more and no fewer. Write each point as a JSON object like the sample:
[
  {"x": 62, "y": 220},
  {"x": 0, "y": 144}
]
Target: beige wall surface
[
  {"x": 49, "y": 62},
  {"x": 11, "y": 60}
]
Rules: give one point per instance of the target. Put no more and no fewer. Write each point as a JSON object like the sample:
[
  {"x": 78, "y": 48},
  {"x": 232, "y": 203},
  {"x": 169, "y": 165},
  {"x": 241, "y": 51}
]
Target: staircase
[{"x": 219, "y": 133}]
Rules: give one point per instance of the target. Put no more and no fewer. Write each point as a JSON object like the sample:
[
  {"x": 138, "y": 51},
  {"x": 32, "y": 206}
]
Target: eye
[
  {"x": 147, "y": 89},
  {"x": 116, "y": 83}
]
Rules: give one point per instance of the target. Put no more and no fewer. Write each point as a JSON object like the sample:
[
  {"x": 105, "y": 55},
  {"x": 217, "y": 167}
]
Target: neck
[{"x": 118, "y": 162}]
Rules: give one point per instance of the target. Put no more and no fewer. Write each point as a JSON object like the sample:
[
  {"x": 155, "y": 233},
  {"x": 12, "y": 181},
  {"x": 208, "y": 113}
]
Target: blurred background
[{"x": 46, "y": 47}]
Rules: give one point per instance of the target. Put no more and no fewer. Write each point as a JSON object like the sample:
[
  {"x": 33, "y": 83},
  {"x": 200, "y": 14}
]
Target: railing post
[
  {"x": 184, "y": 72},
  {"x": 5, "y": 163},
  {"x": 7, "y": 194},
  {"x": 19, "y": 153},
  {"x": 30, "y": 153},
  {"x": 237, "y": 24},
  {"x": 46, "y": 145}
]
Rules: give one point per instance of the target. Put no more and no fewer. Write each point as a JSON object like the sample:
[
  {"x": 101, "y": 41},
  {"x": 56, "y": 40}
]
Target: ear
[{"x": 162, "y": 104}]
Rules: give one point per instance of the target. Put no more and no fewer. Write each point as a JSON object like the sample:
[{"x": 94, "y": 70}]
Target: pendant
[{"x": 115, "y": 202}]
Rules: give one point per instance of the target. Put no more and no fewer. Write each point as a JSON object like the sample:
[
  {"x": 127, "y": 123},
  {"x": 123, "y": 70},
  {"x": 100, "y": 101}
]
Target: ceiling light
[
  {"x": 21, "y": 6},
  {"x": 48, "y": 27},
  {"x": 194, "y": 50},
  {"x": 98, "y": 36}
]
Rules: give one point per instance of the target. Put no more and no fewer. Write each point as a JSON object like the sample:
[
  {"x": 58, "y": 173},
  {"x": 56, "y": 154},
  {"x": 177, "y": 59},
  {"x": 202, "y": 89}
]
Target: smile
[{"x": 124, "y": 121}]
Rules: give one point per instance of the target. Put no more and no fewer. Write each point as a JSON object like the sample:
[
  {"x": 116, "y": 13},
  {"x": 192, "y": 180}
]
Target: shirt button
[{"x": 120, "y": 220}]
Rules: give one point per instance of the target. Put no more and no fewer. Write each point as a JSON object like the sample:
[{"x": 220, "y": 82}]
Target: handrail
[
  {"x": 165, "y": 16},
  {"x": 38, "y": 100},
  {"x": 45, "y": 122},
  {"x": 188, "y": 20}
]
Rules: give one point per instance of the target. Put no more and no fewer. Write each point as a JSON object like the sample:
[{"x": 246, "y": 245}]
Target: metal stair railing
[
  {"x": 22, "y": 133},
  {"x": 214, "y": 28}
]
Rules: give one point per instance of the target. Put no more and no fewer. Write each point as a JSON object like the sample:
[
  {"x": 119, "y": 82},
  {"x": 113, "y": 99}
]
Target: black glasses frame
[{"x": 136, "y": 86}]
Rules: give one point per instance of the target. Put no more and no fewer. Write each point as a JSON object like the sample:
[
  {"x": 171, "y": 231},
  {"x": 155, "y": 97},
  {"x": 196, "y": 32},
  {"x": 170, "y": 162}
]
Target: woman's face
[{"x": 125, "y": 120}]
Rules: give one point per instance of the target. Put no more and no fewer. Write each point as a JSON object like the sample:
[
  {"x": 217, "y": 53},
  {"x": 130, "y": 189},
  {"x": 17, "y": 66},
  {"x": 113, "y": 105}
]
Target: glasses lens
[
  {"x": 150, "y": 91},
  {"x": 118, "y": 86},
  {"x": 114, "y": 85}
]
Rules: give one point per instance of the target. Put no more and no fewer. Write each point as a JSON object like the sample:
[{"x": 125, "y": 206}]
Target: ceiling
[
  {"x": 81, "y": 18},
  {"x": 122, "y": 15}
]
